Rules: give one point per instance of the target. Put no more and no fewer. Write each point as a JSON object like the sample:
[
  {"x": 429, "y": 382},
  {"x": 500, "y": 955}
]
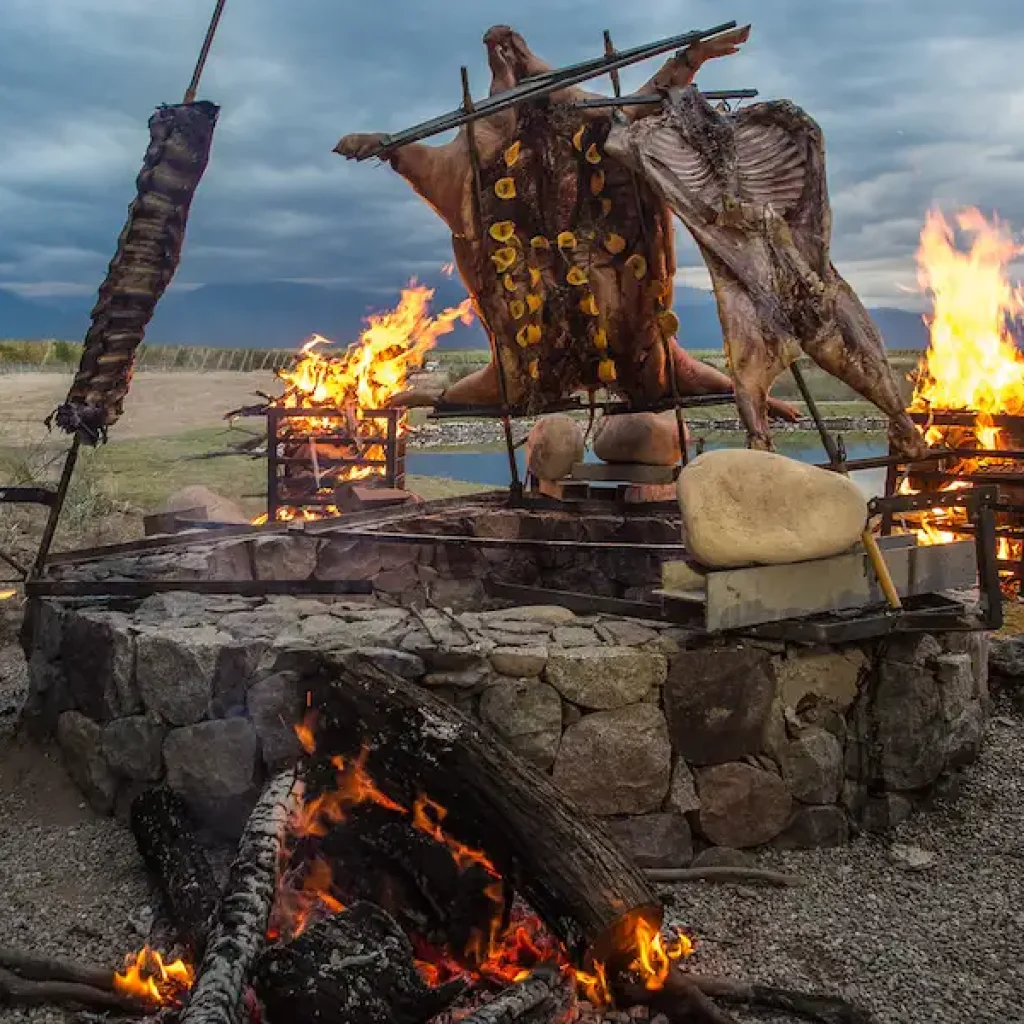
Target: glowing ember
[
  {"x": 364, "y": 377},
  {"x": 6, "y": 595},
  {"x": 505, "y": 954},
  {"x": 972, "y": 362},
  {"x": 146, "y": 976}
]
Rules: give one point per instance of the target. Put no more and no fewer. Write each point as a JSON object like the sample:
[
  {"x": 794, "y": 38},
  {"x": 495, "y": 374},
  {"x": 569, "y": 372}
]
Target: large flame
[
  {"x": 148, "y": 977},
  {"x": 972, "y": 362},
  {"x": 504, "y": 954},
  {"x": 363, "y": 377}
]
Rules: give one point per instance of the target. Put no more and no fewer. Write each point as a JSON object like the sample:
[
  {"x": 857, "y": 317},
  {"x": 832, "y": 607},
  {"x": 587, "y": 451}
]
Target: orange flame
[
  {"x": 365, "y": 376},
  {"x": 6, "y": 595},
  {"x": 147, "y": 977},
  {"x": 972, "y": 362},
  {"x": 503, "y": 954}
]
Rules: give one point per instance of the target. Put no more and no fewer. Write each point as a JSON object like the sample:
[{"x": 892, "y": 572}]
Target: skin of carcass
[
  {"x": 571, "y": 260},
  {"x": 751, "y": 188}
]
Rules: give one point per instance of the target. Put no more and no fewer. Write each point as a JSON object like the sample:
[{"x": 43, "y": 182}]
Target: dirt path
[{"x": 158, "y": 405}]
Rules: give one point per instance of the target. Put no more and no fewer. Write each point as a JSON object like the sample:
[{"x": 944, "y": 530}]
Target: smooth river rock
[
  {"x": 742, "y": 507},
  {"x": 649, "y": 438},
  {"x": 742, "y": 806},
  {"x": 616, "y": 762},
  {"x": 554, "y": 445}
]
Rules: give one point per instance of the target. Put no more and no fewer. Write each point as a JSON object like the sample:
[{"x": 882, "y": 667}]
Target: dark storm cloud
[{"x": 919, "y": 103}]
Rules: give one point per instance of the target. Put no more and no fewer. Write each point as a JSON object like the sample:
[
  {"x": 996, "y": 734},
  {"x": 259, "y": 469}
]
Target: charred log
[
  {"x": 146, "y": 259},
  {"x": 356, "y": 966},
  {"x": 557, "y": 857},
  {"x": 172, "y": 854},
  {"x": 546, "y": 995},
  {"x": 19, "y": 991},
  {"x": 239, "y": 934}
]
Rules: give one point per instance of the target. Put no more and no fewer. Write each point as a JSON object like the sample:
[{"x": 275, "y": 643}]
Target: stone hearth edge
[{"x": 676, "y": 746}]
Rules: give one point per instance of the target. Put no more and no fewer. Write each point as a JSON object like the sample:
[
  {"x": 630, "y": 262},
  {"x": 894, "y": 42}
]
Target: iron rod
[
  {"x": 145, "y": 588},
  {"x": 53, "y": 519},
  {"x": 649, "y": 100},
  {"x": 812, "y": 407},
  {"x": 211, "y": 31}
]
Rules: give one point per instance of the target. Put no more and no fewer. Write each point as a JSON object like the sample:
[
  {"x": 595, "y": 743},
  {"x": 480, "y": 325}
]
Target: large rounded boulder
[{"x": 554, "y": 445}]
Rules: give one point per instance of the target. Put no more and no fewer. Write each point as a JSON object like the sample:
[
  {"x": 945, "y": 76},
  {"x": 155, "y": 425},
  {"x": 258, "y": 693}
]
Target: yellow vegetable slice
[
  {"x": 533, "y": 369},
  {"x": 637, "y": 265},
  {"x": 600, "y": 339},
  {"x": 534, "y": 277},
  {"x": 504, "y": 258},
  {"x": 505, "y": 188},
  {"x": 593, "y": 154},
  {"x": 597, "y": 183},
  {"x": 577, "y": 139},
  {"x": 509, "y": 282},
  {"x": 517, "y": 308},
  {"x": 589, "y": 305},
  {"x": 668, "y": 322},
  {"x": 566, "y": 240},
  {"x": 606, "y": 206},
  {"x": 615, "y": 243},
  {"x": 576, "y": 276},
  {"x": 534, "y": 302},
  {"x": 606, "y": 371},
  {"x": 512, "y": 155},
  {"x": 539, "y": 242},
  {"x": 502, "y": 231}
]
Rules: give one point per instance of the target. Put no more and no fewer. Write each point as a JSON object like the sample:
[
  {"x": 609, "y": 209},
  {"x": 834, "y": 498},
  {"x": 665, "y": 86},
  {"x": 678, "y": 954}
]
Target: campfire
[
  {"x": 324, "y": 431},
  {"x": 969, "y": 389}
]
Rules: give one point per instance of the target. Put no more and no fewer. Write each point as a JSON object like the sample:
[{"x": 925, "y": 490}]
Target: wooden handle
[{"x": 881, "y": 569}]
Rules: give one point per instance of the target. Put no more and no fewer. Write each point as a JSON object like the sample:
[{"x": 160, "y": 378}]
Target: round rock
[
  {"x": 650, "y": 438},
  {"x": 527, "y": 715},
  {"x": 741, "y": 806},
  {"x": 554, "y": 445}
]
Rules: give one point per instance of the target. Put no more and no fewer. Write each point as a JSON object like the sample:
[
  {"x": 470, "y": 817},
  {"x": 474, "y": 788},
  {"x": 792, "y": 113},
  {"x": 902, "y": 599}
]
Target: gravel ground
[{"x": 943, "y": 944}]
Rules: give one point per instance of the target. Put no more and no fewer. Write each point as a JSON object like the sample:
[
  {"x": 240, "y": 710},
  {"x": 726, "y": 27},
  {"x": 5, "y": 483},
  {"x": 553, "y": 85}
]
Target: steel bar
[
  {"x": 981, "y": 477},
  {"x": 812, "y": 407},
  {"x": 330, "y": 412},
  {"x": 575, "y": 601},
  {"x": 27, "y": 495},
  {"x": 538, "y": 86},
  {"x": 610, "y": 408},
  {"x": 965, "y": 418},
  {"x": 932, "y": 499},
  {"x": 647, "y": 99},
  {"x": 204, "y": 53},
  {"x": 988, "y": 567},
  {"x": 146, "y": 588},
  {"x": 53, "y": 519},
  {"x": 890, "y": 461},
  {"x": 22, "y": 570}
]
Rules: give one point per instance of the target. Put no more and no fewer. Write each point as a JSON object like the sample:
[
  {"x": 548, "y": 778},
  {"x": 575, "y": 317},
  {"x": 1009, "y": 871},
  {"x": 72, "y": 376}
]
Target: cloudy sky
[{"x": 921, "y": 102}]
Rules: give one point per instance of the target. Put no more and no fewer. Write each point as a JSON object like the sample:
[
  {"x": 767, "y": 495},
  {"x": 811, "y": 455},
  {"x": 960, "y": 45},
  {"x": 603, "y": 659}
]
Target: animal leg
[{"x": 855, "y": 353}]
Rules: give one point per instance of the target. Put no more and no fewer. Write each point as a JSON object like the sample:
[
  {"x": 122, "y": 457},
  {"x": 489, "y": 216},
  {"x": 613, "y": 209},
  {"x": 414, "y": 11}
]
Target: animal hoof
[{"x": 359, "y": 147}]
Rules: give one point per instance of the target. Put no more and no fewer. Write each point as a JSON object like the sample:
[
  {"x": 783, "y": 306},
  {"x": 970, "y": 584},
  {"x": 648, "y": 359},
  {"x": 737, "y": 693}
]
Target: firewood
[
  {"x": 239, "y": 934},
  {"x": 40, "y": 968},
  {"x": 171, "y": 852},
  {"x": 725, "y": 874},
  {"x": 545, "y": 995},
  {"x": 557, "y": 857},
  {"x": 16, "y": 991},
  {"x": 356, "y": 966}
]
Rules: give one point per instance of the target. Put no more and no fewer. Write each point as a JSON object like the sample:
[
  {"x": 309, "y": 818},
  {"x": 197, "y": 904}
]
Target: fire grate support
[{"x": 293, "y": 456}]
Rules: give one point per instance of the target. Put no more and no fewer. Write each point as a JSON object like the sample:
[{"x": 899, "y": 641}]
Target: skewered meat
[
  {"x": 147, "y": 256},
  {"x": 751, "y": 188},
  {"x": 572, "y": 271}
]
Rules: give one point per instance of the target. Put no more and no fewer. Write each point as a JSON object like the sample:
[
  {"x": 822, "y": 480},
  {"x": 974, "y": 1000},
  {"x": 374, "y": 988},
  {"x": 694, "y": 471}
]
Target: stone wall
[
  {"x": 449, "y": 575},
  {"x": 680, "y": 745}
]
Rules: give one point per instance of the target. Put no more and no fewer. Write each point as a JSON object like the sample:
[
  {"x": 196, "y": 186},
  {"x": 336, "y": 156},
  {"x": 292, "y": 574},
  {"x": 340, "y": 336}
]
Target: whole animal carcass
[
  {"x": 571, "y": 260},
  {"x": 751, "y": 188}
]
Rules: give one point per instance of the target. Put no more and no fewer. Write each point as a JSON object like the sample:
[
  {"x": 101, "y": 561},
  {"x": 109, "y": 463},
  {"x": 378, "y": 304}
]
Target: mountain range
[{"x": 281, "y": 314}]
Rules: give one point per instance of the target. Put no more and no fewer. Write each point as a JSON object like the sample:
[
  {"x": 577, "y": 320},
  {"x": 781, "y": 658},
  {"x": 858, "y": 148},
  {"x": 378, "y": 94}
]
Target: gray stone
[
  {"x": 520, "y": 627},
  {"x": 955, "y": 673},
  {"x": 172, "y": 609},
  {"x": 48, "y": 695},
  {"x": 913, "y": 649},
  {"x": 605, "y": 677},
  {"x": 550, "y": 614},
  {"x": 1006, "y": 656},
  {"x": 237, "y": 665},
  {"x": 48, "y": 622},
  {"x": 570, "y": 714},
  {"x": 629, "y": 634},
  {"x": 329, "y": 632},
  {"x": 741, "y": 806},
  {"x": 454, "y": 656},
  {"x": 80, "y": 743},
  {"x": 285, "y": 556},
  {"x": 616, "y": 762},
  {"x": 231, "y": 560},
  {"x": 276, "y": 705},
  {"x": 741, "y": 506},
  {"x": 881, "y": 813},
  {"x": 574, "y": 636},
  {"x": 519, "y": 662},
  {"x": 399, "y": 663},
  {"x": 97, "y": 652},
  {"x": 723, "y": 857},
  {"x": 133, "y": 747},
  {"x": 966, "y": 732},
  {"x": 647, "y": 438},
  {"x": 263, "y": 623},
  {"x": 830, "y": 677},
  {"x": 911, "y": 858},
  {"x": 682, "y": 793},
  {"x": 553, "y": 446},
  {"x": 813, "y": 827},
  {"x": 654, "y": 840},
  {"x": 909, "y": 728},
  {"x": 175, "y": 670},
  {"x": 341, "y": 558},
  {"x": 527, "y": 715},
  {"x": 461, "y": 679},
  {"x": 215, "y": 768},
  {"x": 812, "y": 766},
  {"x": 718, "y": 703}
]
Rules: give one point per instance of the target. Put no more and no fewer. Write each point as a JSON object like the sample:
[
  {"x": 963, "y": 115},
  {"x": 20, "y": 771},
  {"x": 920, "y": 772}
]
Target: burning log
[
  {"x": 546, "y": 994},
  {"x": 19, "y": 991},
  {"x": 147, "y": 256},
  {"x": 171, "y": 852},
  {"x": 356, "y": 966},
  {"x": 559, "y": 859},
  {"x": 240, "y": 932}
]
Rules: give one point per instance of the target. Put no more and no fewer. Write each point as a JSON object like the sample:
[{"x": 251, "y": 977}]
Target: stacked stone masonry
[{"x": 679, "y": 745}]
